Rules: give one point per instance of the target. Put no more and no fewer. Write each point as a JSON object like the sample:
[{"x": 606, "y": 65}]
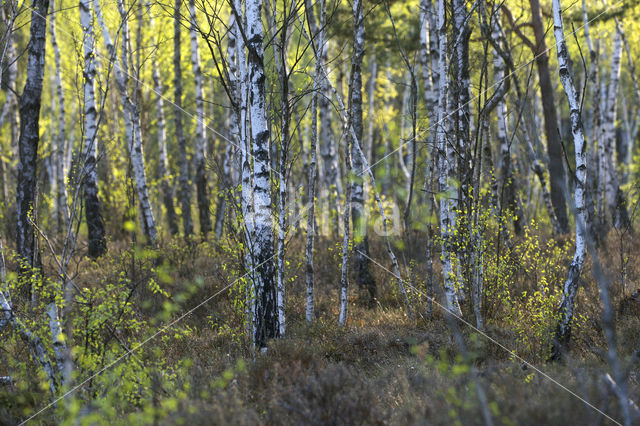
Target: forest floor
[{"x": 381, "y": 368}]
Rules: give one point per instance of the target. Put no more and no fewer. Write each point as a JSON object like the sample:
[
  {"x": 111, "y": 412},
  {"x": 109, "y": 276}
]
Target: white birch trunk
[
  {"x": 318, "y": 84},
  {"x": 344, "y": 278},
  {"x": 567, "y": 306},
  {"x": 131, "y": 112},
  {"x": 266, "y": 316},
  {"x": 95, "y": 223},
  {"x": 36, "y": 346},
  {"x": 60, "y": 140},
  {"x": 239, "y": 89},
  {"x": 612, "y": 187},
  {"x": 445, "y": 155},
  {"x": 363, "y": 276}
]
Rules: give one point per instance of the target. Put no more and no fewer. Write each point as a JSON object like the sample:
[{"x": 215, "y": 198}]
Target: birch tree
[
  {"x": 8, "y": 75},
  {"x": 163, "y": 163},
  {"x": 613, "y": 194},
  {"x": 202, "y": 191},
  {"x": 131, "y": 111},
  {"x": 29, "y": 105},
  {"x": 444, "y": 155},
  {"x": 330, "y": 167},
  {"x": 183, "y": 163},
  {"x": 265, "y": 307},
  {"x": 567, "y": 305},
  {"x": 557, "y": 177},
  {"x": 361, "y": 261},
  {"x": 318, "y": 34},
  {"x": 60, "y": 138},
  {"x": 89, "y": 172}
]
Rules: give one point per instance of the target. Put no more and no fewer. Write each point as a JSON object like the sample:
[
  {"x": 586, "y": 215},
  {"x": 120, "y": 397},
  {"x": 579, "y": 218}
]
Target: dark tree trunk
[
  {"x": 358, "y": 216},
  {"x": 92, "y": 204},
  {"x": 202, "y": 191},
  {"x": 554, "y": 145},
  {"x": 183, "y": 179},
  {"x": 29, "y": 104}
]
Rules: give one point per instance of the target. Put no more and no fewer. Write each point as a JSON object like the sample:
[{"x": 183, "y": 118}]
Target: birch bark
[
  {"x": 92, "y": 203},
  {"x": 183, "y": 163},
  {"x": 131, "y": 112},
  {"x": 554, "y": 148},
  {"x": 358, "y": 213},
  {"x": 266, "y": 316},
  {"x": 29, "y": 105},
  {"x": 163, "y": 163},
  {"x": 567, "y": 305},
  {"x": 614, "y": 196},
  {"x": 60, "y": 140},
  {"x": 593, "y": 132},
  {"x": 311, "y": 192},
  {"x": 444, "y": 155},
  {"x": 330, "y": 174},
  {"x": 202, "y": 191}
]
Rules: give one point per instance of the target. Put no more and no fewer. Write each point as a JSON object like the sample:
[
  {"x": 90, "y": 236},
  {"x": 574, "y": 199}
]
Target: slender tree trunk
[
  {"x": 429, "y": 57},
  {"x": 29, "y": 105},
  {"x": 163, "y": 163},
  {"x": 444, "y": 153},
  {"x": 229, "y": 166},
  {"x": 330, "y": 174},
  {"x": 131, "y": 119},
  {"x": 266, "y": 315},
  {"x": 240, "y": 91},
  {"x": 8, "y": 83},
  {"x": 280, "y": 54},
  {"x": 358, "y": 212},
  {"x": 567, "y": 306},
  {"x": 344, "y": 270},
  {"x": 202, "y": 190},
  {"x": 92, "y": 203},
  {"x": 593, "y": 132},
  {"x": 371, "y": 88},
  {"x": 183, "y": 163},
  {"x": 616, "y": 201},
  {"x": 311, "y": 193},
  {"x": 554, "y": 146},
  {"x": 461, "y": 96},
  {"x": 508, "y": 192},
  {"x": 60, "y": 140}
]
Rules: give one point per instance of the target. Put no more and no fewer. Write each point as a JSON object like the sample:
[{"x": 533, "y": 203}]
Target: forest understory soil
[{"x": 381, "y": 368}]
